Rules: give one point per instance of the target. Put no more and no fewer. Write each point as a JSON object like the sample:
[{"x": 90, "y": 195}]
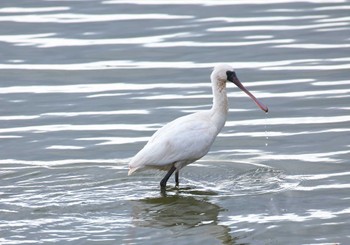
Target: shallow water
[{"x": 84, "y": 84}]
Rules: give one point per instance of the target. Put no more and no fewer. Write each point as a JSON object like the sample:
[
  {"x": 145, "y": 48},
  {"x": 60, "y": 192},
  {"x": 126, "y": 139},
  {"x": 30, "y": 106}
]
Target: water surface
[{"x": 84, "y": 84}]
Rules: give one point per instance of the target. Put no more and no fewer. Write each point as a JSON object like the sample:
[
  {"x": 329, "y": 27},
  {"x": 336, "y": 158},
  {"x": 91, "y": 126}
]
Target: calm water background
[{"x": 85, "y": 83}]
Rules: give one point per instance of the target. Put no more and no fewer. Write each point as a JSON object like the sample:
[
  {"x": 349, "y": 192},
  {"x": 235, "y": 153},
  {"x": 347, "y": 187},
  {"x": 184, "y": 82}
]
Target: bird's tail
[{"x": 131, "y": 171}]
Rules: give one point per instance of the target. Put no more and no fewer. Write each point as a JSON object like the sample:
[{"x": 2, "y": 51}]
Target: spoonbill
[{"x": 189, "y": 138}]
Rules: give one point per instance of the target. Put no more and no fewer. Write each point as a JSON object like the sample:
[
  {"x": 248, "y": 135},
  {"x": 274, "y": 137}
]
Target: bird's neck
[{"x": 219, "y": 109}]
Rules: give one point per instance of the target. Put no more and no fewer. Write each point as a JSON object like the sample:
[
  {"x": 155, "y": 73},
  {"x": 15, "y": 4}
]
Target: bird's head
[
  {"x": 220, "y": 72},
  {"x": 223, "y": 73}
]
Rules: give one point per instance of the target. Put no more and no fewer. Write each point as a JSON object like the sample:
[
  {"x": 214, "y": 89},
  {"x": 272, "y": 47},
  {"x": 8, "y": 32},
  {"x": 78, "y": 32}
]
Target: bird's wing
[{"x": 184, "y": 139}]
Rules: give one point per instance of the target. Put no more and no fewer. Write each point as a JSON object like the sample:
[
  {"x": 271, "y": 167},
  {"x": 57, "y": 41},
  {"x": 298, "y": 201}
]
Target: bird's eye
[{"x": 230, "y": 75}]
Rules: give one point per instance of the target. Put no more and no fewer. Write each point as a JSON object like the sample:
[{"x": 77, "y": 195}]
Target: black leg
[
  {"x": 166, "y": 177},
  {"x": 177, "y": 178}
]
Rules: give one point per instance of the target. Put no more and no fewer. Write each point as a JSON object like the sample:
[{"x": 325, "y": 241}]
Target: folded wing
[{"x": 186, "y": 139}]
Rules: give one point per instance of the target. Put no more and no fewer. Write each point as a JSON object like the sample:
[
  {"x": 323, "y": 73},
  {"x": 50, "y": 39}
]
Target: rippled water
[{"x": 85, "y": 83}]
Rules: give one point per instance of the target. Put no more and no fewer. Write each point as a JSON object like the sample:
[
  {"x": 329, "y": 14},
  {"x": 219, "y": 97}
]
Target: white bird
[{"x": 189, "y": 138}]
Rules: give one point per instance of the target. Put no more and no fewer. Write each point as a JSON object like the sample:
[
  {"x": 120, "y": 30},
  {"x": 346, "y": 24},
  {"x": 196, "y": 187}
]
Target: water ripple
[
  {"x": 86, "y": 18},
  {"x": 84, "y": 85}
]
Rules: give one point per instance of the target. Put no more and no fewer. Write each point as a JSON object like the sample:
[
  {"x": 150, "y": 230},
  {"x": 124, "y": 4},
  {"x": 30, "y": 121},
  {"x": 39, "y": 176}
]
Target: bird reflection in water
[{"x": 184, "y": 216}]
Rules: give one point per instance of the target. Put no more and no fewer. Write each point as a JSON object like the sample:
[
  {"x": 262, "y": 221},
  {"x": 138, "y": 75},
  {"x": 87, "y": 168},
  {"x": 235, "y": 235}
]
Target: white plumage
[{"x": 189, "y": 138}]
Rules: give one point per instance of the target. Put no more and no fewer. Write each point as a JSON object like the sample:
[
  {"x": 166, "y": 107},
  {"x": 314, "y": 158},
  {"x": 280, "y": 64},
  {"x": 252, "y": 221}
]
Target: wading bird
[{"x": 189, "y": 138}]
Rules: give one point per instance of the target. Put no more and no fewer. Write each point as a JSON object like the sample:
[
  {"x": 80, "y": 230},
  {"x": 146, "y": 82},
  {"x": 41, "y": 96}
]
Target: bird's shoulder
[
  {"x": 186, "y": 125},
  {"x": 195, "y": 121}
]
